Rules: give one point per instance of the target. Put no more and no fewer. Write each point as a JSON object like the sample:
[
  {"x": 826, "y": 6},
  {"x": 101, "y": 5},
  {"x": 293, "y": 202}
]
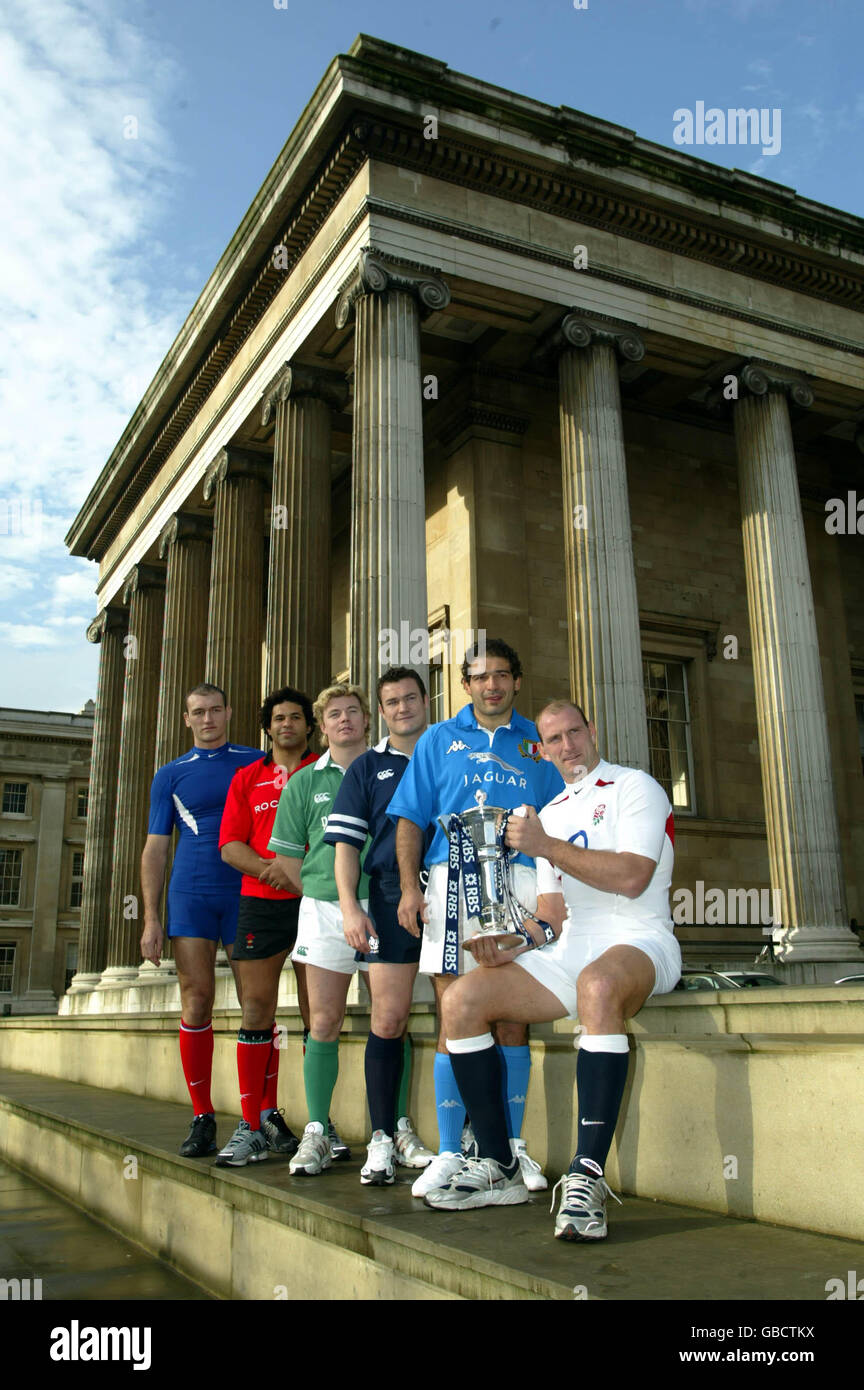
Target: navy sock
[
  {"x": 383, "y": 1069},
  {"x": 480, "y": 1081},
  {"x": 600, "y": 1081}
]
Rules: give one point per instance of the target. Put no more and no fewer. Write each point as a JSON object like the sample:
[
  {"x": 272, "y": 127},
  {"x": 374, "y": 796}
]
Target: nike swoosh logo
[{"x": 593, "y": 1122}]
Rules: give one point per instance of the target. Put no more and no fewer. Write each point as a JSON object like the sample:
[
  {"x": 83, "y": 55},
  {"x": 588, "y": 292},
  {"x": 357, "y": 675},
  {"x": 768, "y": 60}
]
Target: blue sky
[{"x": 108, "y": 239}]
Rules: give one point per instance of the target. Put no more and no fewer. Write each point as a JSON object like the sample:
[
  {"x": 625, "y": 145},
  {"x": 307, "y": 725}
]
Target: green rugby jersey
[{"x": 305, "y": 803}]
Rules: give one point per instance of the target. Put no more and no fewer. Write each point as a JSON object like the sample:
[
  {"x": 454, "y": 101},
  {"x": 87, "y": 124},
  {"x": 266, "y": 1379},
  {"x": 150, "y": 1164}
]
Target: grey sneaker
[
  {"x": 582, "y": 1209},
  {"x": 479, "y": 1182},
  {"x": 313, "y": 1155},
  {"x": 280, "y": 1139},
  {"x": 245, "y": 1146},
  {"x": 339, "y": 1150},
  {"x": 378, "y": 1170},
  {"x": 411, "y": 1152}
]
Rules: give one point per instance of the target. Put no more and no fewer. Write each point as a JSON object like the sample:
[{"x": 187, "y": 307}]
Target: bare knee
[
  {"x": 326, "y": 1023},
  {"x": 389, "y": 1021},
  {"x": 598, "y": 995},
  {"x": 197, "y": 1006},
  {"x": 258, "y": 1010}
]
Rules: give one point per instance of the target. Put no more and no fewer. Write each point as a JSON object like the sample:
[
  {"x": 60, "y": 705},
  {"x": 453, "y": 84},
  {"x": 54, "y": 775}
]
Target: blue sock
[
  {"x": 448, "y": 1105},
  {"x": 516, "y": 1070}
]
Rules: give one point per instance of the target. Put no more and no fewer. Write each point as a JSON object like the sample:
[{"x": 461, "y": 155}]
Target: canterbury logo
[
  {"x": 321, "y": 796},
  {"x": 457, "y": 746},
  {"x": 388, "y": 772}
]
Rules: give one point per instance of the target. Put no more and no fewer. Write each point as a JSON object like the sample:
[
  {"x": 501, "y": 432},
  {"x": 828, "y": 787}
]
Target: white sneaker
[
  {"x": 313, "y": 1155},
  {"x": 411, "y": 1152},
  {"x": 479, "y": 1182},
  {"x": 438, "y": 1174},
  {"x": 532, "y": 1173},
  {"x": 378, "y": 1169}
]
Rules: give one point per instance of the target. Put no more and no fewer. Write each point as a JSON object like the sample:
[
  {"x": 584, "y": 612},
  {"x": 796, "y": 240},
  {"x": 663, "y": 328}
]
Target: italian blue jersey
[
  {"x": 190, "y": 793},
  {"x": 455, "y": 760}
]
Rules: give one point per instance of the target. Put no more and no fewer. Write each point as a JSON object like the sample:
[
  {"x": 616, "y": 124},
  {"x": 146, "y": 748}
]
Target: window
[
  {"x": 10, "y": 877},
  {"x": 441, "y": 655},
  {"x": 14, "y": 798},
  {"x": 669, "y": 729},
  {"x": 82, "y": 801},
  {"x": 7, "y": 969},
  {"x": 436, "y": 692},
  {"x": 71, "y": 962},
  {"x": 77, "y": 886}
]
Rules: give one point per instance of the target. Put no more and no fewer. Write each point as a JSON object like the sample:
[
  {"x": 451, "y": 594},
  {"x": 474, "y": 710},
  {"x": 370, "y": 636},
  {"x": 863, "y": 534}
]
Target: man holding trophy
[
  {"x": 604, "y": 851},
  {"x": 485, "y": 762}
]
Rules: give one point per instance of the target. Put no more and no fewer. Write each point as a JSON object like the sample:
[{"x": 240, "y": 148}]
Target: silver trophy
[{"x": 501, "y": 915}]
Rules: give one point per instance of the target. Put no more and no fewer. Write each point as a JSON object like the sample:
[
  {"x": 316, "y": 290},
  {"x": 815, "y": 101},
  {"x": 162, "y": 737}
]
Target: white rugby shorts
[
  {"x": 558, "y": 966},
  {"x": 321, "y": 938},
  {"x": 524, "y": 880}
]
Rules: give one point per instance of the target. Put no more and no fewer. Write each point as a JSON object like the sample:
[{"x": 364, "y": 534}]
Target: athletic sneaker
[
  {"x": 339, "y": 1150},
  {"x": 469, "y": 1143},
  {"x": 378, "y": 1169},
  {"x": 438, "y": 1173},
  {"x": 313, "y": 1155},
  {"x": 582, "y": 1209},
  {"x": 411, "y": 1152},
  {"x": 532, "y": 1173},
  {"x": 479, "y": 1182},
  {"x": 201, "y": 1139},
  {"x": 280, "y": 1139},
  {"x": 246, "y": 1145}
]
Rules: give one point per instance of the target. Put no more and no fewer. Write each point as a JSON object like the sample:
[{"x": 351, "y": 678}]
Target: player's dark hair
[
  {"x": 399, "y": 673},
  {"x": 493, "y": 646},
  {"x": 205, "y": 688},
  {"x": 279, "y": 697},
  {"x": 553, "y": 707}
]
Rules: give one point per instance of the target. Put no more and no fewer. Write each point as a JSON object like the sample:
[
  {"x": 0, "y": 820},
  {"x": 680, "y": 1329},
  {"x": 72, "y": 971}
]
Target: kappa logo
[
  {"x": 457, "y": 746},
  {"x": 387, "y": 772},
  {"x": 321, "y": 796}
]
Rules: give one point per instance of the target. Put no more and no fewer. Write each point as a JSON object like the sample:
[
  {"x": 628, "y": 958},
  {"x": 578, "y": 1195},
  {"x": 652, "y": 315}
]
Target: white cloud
[{"x": 83, "y": 326}]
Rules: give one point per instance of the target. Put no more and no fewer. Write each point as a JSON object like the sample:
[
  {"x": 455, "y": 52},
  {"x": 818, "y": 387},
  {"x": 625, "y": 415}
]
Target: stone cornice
[
  {"x": 376, "y": 273},
  {"x": 184, "y": 526},
  {"x": 296, "y": 380}
]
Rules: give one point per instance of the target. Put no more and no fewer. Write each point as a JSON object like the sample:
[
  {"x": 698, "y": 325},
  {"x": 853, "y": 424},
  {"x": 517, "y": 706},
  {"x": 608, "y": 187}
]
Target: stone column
[
  {"x": 236, "y": 480},
  {"x": 297, "y": 644},
  {"x": 602, "y": 607},
  {"x": 109, "y": 630},
  {"x": 46, "y": 899},
  {"x": 797, "y": 779},
  {"x": 185, "y": 542},
  {"x": 388, "y": 539},
  {"x": 145, "y": 594}
]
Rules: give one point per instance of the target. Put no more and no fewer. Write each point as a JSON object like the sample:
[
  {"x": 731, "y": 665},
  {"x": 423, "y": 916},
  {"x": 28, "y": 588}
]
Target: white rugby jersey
[{"x": 620, "y": 809}]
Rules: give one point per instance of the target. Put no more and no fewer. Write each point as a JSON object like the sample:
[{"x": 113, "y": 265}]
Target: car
[{"x": 720, "y": 979}]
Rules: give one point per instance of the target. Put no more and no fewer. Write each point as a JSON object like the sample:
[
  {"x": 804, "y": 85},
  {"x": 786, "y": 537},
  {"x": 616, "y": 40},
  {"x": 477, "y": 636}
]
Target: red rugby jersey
[{"x": 250, "y": 810}]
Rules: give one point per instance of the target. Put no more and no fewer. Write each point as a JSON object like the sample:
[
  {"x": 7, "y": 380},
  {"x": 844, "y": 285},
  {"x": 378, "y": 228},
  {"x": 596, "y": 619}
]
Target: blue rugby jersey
[
  {"x": 190, "y": 793},
  {"x": 455, "y": 760},
  {"x": 360, "y": 809}
]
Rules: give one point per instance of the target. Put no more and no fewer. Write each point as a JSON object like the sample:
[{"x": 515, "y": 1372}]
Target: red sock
[
  {"x": 254, "y": 1046},
  {"x": 270, "y": 1099},
  {"x": 196, "y": 1054}
]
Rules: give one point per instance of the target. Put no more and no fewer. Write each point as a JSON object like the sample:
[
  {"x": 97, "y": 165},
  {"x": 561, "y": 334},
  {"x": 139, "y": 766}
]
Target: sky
[{"x": 133, "y": 138}]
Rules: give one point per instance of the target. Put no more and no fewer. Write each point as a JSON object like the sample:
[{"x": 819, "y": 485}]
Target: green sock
[
  {"x": 405, "y": 1079},
  {"x": 320, "y": 1070}
]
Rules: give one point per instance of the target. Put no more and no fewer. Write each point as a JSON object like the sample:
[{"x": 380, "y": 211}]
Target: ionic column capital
[
  {"x": 760, "y": 378},
  {"x": 184, "y": 526},
  {"x": 577, "y": 331},
  {"x": 234, "y": 463},
  {"x": 376, "y": 273},
  {"x": 295, "y": 380},
  {"x": 142, "y": 577},
  {"x": 111, "y": 618}
]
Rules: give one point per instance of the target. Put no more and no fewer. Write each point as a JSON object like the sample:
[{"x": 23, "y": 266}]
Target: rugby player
[
  {"x": 391, "y": 953},
  {"x": 266, "y": 926},
  {"x": 304, "y": 863},
  {"x": 604, "y": 851},
  {"x": 203, "y": 893},
  {"x": 487, "y": 748}
]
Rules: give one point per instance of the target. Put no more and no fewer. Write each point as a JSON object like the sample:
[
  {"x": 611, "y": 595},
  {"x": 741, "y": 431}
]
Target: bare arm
[
  {"x": 550, "y": 908},
  {"x": 606, "y": 870},
  {"x": 243, "y": 858},
  {"x": 153, "y": 861},
  {"x": 282, "y": 872},
  {"x": 356, "y": 925},
  {"x": 409, "y": 853}
]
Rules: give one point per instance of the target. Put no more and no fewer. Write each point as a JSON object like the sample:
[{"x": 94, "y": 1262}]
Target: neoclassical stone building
[{"x": 472, "y": 361}]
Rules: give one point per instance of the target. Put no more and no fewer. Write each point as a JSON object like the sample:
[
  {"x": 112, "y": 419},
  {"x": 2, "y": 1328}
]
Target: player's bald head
[{"x": 557, "y": 707}]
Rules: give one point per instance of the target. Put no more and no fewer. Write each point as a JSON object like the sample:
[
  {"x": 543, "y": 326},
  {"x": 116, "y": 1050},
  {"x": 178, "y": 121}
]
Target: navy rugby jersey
[
  {"x": 190, "y": 793},
  {"x": 455, "y": 760},
  {"x": 360, "y": 809}
]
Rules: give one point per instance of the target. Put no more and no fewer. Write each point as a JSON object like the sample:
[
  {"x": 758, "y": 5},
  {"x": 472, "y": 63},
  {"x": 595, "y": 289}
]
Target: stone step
[{"x": 259, "y": 1233}]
